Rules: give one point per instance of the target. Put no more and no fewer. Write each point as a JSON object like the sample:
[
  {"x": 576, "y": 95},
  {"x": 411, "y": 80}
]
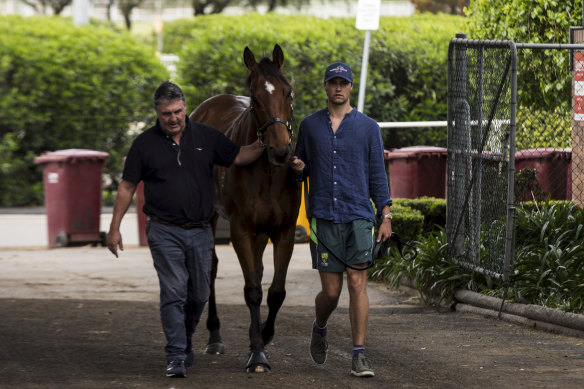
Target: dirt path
[{"x": 77, "y": 318}]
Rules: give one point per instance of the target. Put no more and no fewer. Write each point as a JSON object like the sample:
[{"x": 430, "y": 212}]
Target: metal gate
[
  {"x": 482, "y": 90},
  {"x": 484, "y": 113}
]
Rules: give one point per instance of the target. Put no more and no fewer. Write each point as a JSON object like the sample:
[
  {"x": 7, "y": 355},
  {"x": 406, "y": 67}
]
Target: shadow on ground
[{"x": 108, "y": 344}]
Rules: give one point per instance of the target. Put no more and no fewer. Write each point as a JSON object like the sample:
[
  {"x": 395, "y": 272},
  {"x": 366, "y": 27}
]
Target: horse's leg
[
  {"x": 215, "y": 344},
  {"x": 283, "y": 247},
  {"x": 249, "y": 249}
]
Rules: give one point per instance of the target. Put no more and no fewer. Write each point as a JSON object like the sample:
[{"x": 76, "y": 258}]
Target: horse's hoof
[
  {"x": 258, "y": 363},
  {"x": 215, "y": 348},
  {"x": 249, "y": 352}
]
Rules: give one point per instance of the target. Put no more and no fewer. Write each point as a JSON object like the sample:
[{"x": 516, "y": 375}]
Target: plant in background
[
  {"x": 549, "y": 259},
  {"x": 406, "y": 76},
  {"x": 527, "y": 186},
  {"x": 548, "y": 267},
  {"x": 68, "y": 87},
  {"x": 436, "y": 277}
]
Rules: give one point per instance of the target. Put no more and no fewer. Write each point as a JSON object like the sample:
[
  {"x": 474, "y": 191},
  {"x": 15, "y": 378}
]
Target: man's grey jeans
[{"x": 182, "y": 259}]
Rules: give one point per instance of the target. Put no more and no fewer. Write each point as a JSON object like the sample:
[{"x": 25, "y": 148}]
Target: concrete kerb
[{"x": 530, "y": 315}]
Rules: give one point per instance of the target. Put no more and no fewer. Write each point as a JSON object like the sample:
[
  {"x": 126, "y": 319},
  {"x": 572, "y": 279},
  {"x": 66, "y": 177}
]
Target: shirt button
[
  {"x": 335, "y": 199},
  {"x": 335, "y": 151},
  {"x": 334, "y": 166},
  {"x": 335, "y": 183}
]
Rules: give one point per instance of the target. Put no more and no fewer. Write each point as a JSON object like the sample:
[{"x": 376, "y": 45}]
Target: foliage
[
  {"x": 206, "y": 7},
  {"x": 406, "y": 75},
  {"x": 436, "y": 277},
  {"x": 40, "y": 6},
  {"x": 126, "y": 7},
  {"x": 547, "y": 269},
  {"x": 538, "y": 128},
  {"x": 541, "y": 73},
  {"x": 527, "y": 186},
  {"x": 433, "y": 210},
  {"x": 65, "y": 87},
  {"x": 549, "y": 257},
  {"x": 407, "y": 222},
  {"x": 455, "y": 7}
]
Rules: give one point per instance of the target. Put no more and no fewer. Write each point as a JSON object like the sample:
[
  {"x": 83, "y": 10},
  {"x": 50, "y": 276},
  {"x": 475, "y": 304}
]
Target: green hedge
[
  {"x": 65, "y": 87},
  {"x": 407, "y": 62},
  {"x": 407, "y": 222},
  {"x": 432, "y": 209}
]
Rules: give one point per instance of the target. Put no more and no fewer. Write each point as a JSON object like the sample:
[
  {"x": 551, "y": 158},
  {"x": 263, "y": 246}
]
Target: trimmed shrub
[
  {"x": 433, "y": 210},
  {"x": 407, "y": 222},
  {"x": 65, "y": 87},
  {"x": 406, "y": 75}
]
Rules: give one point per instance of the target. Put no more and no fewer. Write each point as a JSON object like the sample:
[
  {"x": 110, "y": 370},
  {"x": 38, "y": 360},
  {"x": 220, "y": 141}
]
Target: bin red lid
[
  {"x": 543, "y": 153},
  {"x": 415, "y": 152},
  {"x": 69, "y": 155}
]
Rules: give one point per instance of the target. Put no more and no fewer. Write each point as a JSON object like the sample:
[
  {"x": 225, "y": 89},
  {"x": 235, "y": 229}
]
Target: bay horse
[{"x": 260, "y": 200}]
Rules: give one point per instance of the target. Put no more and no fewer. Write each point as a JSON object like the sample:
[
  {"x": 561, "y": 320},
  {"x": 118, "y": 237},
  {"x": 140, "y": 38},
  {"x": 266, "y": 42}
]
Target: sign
[
  {"x": 368, "y": 14},
  {"x": 578, "y": 86}
]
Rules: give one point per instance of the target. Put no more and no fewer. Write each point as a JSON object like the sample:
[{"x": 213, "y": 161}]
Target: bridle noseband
[{"x": 262, "y": 129}]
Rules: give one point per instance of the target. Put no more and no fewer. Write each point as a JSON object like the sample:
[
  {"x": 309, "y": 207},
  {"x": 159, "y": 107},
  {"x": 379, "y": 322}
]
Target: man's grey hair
[{"x": 167, "y": 92}]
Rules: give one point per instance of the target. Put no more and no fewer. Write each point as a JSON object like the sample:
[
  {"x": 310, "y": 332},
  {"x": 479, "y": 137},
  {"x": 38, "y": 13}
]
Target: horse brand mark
[{"x": 269, "y": 87}]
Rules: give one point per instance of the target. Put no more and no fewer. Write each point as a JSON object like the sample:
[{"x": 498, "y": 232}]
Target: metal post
[
  {"x": 80, "y": 12},
  {"x": 462, "y": 144},
  {"x": 364, "y": 64}
]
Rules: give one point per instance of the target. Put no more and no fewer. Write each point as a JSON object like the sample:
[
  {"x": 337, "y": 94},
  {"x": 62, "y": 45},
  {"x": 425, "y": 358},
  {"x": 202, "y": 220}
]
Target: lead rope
[{"x": 380, "y": 248}]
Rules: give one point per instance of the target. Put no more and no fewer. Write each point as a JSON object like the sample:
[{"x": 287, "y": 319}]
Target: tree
[
  {"x": 541, "y": 73},
  {"x": 126, "y": 7},
  {"x": 40, "y": 6},
  {"x": 454, "y": 7},
  {"x": 203, "y": 7}
]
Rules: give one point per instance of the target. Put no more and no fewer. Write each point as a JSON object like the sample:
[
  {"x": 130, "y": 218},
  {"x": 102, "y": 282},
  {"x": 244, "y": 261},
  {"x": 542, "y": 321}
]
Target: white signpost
[
  {"x": 80, "y": 12},
  {"x": 367, "y": 19}
]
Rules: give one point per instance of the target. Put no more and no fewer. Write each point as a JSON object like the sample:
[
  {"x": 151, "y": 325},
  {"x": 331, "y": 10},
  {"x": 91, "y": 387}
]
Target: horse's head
[{"x": 271, "y": 104}]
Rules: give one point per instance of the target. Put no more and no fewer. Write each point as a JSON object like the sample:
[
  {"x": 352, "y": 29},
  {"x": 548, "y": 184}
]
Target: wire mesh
[{"x": 480, "y": 160}]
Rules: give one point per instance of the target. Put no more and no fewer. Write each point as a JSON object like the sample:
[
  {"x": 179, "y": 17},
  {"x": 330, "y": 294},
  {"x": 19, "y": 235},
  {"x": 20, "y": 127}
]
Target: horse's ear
[
  {"x": 249, "y": 58},
  {"x": 278, "y": 56}
]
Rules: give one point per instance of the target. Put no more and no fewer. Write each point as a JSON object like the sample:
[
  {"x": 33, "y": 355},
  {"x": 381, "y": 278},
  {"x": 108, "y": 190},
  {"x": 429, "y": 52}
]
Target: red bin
[
  {"x": 417, "y": 171},
  {"x": 73, "y": 184},
  {"x": 553, "y": 169}
]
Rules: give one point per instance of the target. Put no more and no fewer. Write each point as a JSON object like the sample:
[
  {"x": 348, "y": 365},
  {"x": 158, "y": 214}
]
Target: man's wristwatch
[{"x": 387, "y": 216}]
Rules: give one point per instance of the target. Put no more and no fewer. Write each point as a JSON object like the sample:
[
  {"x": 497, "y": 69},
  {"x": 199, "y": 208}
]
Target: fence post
[
  {"x": 578, "y": 122},
  {"x": 461, "y": 142}
]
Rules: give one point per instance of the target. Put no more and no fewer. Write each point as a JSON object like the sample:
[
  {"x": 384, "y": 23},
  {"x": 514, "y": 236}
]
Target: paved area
[{"x": 78, "y": 317}]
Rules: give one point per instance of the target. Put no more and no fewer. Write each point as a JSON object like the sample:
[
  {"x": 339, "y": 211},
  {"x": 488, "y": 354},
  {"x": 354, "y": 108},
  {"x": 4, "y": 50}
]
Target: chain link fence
[
  {"x": 515, "y": 139},
  {"x": 481, "y": 124}
]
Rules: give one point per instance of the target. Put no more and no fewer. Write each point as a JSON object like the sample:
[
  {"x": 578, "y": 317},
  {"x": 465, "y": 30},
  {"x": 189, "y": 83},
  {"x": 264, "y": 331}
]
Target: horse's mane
[{"x": 268, "y": 68}]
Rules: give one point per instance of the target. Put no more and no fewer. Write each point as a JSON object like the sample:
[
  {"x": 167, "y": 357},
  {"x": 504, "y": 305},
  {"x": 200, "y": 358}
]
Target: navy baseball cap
[{"x": 338, "y": 69}]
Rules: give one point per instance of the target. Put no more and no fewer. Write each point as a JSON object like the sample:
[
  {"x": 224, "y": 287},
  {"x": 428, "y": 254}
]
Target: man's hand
[
  {"x": 114, "y": 239},
  {"x": 297, "y": 165},
  {"x": 385, "y": 227},
  {"x": 384, "y": 231}
]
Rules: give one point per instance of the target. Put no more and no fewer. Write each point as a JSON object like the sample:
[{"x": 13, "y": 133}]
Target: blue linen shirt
[{"x": 346, "y": 169}]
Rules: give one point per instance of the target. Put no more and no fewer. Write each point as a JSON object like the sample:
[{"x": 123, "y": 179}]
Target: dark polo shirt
[{"x": 178, "y": 180}]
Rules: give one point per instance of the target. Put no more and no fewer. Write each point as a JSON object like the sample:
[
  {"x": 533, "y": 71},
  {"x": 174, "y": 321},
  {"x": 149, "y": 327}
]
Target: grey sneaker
[
  {"x": 318, "y": 348},
  {"x": 176, "y": 368},
  {"x": 361, "y": 367}
]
